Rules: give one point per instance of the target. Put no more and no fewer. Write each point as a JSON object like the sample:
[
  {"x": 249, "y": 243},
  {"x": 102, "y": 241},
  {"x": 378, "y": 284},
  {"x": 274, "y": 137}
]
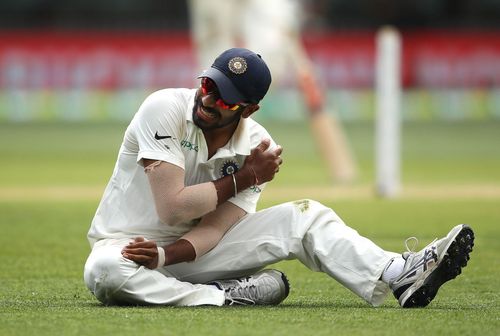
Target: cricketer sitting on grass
[{"x": 177, "y": 223}]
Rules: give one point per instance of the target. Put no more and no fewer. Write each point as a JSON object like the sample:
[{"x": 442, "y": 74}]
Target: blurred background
[
  {"x": 99, "y": 57},
  {"x": 84, "y": 67}
]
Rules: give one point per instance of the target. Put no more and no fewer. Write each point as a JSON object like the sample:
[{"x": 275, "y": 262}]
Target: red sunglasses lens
[
  {"x": 223, "y": 105},
  {"x": 208, "y": 86}
]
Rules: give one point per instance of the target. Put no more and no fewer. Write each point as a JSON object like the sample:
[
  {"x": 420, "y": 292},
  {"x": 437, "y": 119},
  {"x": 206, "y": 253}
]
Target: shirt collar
[{"x": 240, "y": 141}]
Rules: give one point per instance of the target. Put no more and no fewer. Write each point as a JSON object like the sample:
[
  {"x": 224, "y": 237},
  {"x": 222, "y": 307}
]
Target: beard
[{"x": 218, "y": 120}]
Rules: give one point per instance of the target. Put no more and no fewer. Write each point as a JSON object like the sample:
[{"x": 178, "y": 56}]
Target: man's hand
[
  {"x": 264, "y": 163},
  {"x": 142, "y": 251}
]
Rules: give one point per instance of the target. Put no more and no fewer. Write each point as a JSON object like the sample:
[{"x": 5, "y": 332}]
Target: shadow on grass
[{"x": 294, "y": 306}]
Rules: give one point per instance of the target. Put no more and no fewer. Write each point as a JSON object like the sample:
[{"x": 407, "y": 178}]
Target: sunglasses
[{"x": 208, "y": 87}]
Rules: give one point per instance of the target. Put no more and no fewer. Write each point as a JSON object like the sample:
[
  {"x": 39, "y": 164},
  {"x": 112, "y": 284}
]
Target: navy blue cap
[{"x": 240, "y": 75}]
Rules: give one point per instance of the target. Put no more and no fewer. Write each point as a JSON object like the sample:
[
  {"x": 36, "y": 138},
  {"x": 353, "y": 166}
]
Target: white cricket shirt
[{"x": 163, "y": 129}]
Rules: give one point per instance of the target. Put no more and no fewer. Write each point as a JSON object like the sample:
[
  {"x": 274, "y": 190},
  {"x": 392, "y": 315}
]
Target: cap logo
[{"x": 237, "y": 65}]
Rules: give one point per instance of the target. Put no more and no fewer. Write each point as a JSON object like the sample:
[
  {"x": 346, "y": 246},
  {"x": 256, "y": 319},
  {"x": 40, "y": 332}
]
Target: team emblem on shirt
[
  {"x": 228, "y": 168},
  {"x": 237, "y": 65}
]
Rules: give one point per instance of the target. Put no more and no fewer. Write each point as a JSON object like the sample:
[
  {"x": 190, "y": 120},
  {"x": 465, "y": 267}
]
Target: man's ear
[{"x": 250, "y": 110}]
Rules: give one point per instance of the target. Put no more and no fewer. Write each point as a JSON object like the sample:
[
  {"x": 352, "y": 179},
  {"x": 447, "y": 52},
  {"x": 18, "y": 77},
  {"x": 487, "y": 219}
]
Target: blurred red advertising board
[
  {"x": 120, "y": 60},
  {"x": 33, "y": 60},
  {"x": 429, "y": 58}
]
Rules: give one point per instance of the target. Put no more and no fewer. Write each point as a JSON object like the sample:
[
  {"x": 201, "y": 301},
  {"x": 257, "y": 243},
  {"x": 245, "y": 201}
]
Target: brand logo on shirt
[
  {"x": 255, "y": 189},
  {"x": 229, "y": 167},
  {"x": 189, "y": 145},
  {"x": 161, "y": 137}
]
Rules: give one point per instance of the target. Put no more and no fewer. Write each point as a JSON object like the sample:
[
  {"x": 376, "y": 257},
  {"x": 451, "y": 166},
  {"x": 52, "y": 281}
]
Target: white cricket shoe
[
  {"x": 267, "y": 287},
  {"x": 425, "y": 271}
]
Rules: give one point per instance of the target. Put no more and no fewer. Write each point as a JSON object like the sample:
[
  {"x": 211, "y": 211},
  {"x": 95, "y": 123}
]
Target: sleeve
[
  {"x": 158, "y": 128},
  {"x": 248, "y": 198}
]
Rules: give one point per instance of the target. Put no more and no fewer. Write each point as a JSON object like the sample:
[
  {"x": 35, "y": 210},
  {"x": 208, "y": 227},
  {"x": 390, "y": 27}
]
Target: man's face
[{"x": 210, "y": 111}]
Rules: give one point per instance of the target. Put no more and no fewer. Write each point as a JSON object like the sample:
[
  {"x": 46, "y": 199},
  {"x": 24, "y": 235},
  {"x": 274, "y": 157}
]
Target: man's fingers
[
  {"x": 147, "y": 261},
  {"x": 147, "y": 243},
  {"x": 278, "y": 160},
  {"x": 140, "y": 259},
  {"x": 278, "y": 150},
  {"x": 264, "y": 145},
  {"x": 139, "y": 239},
  {"x": 140, "y": 251}
]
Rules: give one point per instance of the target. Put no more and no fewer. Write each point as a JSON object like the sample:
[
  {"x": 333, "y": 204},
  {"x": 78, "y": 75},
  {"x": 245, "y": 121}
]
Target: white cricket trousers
[{"x": 304, "y": 230}]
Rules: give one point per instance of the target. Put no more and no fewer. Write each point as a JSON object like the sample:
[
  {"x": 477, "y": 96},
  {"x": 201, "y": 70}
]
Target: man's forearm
[
  {"x": 230, "y": 185},
  {"x": 179, "y": 251},
  {"x": 176, "y": 203},
  {"x": 213, "y": 226}
]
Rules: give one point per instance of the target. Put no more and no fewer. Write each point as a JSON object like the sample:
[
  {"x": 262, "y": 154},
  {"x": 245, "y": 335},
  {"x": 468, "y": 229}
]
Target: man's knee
[
  {"x": 306, "y": 214},
  {"x": 106, "y": 273},
  {"x": 307, "y": 208}
]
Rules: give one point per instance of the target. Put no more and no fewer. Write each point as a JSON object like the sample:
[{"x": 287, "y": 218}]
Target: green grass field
[{"x": 52, "y": 176}]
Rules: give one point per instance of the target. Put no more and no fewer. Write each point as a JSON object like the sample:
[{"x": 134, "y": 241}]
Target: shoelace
[
  {"x": 412, "y": 249},
  {"x": 246, "y": 290},
  {"x": 414, "y": 245}
]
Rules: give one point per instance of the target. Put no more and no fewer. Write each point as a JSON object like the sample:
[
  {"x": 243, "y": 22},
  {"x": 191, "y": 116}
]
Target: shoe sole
[
  {"x": 456, "y": 257},
  {"x": 286, "y": 284}
]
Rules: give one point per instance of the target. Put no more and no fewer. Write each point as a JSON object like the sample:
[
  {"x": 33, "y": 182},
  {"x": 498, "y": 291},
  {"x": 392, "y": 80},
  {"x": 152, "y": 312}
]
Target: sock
[{"x": 393, "y": 269}]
